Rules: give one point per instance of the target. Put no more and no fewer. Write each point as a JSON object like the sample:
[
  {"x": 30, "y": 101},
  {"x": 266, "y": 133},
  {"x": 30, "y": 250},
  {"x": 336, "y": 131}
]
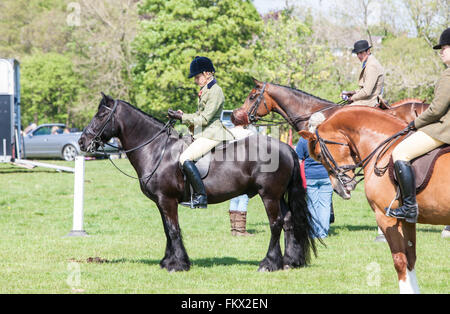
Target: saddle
[
  {"x": 203, "y": 163},
  {"x": 422, "y": 166}
]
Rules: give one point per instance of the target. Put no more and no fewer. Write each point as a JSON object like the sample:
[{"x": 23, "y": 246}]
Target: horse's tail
[{"x": 301, "y": 217}]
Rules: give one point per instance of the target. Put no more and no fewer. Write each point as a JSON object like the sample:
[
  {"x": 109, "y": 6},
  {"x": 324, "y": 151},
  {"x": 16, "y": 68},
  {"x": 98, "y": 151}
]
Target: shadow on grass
[
  {"x": 334, "y": 230},
  {"x": 200, "y": 262},
  {"x": 31, "y": 171}
]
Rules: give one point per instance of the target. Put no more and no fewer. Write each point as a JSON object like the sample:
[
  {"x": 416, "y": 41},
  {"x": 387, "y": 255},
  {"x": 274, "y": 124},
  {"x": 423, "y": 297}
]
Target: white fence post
[{"x": 78, "y": 199}]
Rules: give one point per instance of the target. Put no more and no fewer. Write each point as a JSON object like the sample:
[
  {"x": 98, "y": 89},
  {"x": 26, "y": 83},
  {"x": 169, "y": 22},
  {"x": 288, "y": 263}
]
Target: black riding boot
[
  {"x": 405, "y": 177},
  {"x": 199, "y": 199}
]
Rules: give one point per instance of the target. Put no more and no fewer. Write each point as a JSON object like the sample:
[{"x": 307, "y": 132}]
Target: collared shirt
[{"x": 208, "y": 86}]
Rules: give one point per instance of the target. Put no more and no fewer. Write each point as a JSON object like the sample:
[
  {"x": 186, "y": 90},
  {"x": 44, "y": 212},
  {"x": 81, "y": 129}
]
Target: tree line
[{"x": 140, "y": 51}]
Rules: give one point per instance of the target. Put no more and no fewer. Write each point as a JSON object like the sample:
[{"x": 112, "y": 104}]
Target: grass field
[{"x": 126, "y": 232}]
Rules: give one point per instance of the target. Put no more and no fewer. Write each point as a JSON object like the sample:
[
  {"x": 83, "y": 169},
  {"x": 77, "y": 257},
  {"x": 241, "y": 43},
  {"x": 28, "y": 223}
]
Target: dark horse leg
[
  {"x": 175, "y": 258},
  {"x": 274, "y": 259},
  {"x": 292, "y": 248}
]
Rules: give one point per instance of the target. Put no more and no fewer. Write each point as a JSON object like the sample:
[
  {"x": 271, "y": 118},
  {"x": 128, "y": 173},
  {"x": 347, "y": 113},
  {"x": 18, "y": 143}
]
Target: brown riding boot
[{"x": 238, "y": 222}]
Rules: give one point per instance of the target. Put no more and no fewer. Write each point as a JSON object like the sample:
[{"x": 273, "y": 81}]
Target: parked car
[
  {"x": 54, "y": 140},
  {"x": 225, "y": 117}
]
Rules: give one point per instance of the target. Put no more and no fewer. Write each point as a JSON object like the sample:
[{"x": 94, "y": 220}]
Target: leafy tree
[
  {"x": 288, "y": 54},
  {"x": 50, "y": 87},
  {"x": 173, "y": 32},
  {"x": 37, "y": 24},
  {"x": 412, "y": 68}
]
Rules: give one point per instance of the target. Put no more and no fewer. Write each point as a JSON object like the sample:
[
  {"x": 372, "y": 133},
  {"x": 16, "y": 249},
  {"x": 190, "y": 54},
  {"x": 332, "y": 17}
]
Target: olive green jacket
[
  {"x": 371, "y": 82},
  {"x": 435, "y": 121},
  {"x": 206, "y": 121}
]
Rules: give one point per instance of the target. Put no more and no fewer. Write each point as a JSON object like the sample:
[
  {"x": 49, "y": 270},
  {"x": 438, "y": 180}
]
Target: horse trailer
[{"x": 10, "y": 127}]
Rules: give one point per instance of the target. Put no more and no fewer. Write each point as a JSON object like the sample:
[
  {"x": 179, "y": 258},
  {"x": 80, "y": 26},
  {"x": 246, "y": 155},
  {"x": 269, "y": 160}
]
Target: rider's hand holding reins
[
  {"x": 411, "y": 126},
  {"x": 175, "y": 114}
]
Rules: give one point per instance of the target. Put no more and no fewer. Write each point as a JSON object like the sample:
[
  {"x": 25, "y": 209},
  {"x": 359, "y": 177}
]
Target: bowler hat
[
  {"x": 444, "y": 39},
  {"x": 200, "y": 65},
  {"x": 361, "y": 45}
]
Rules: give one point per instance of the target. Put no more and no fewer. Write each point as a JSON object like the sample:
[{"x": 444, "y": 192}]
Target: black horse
[{"x": 153, "y": 149}]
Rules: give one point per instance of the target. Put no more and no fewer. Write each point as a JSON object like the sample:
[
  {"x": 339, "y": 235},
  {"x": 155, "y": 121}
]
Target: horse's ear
[
  {"x": 106, "y": 98},
  {"x": 307, "y": 135},
  {"x": 257, "y": 83}
]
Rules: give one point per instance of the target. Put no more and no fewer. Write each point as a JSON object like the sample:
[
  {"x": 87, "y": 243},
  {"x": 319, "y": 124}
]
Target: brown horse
[
  {"x": 297, "y": 106},
  {"x": 362, "y": 137}
]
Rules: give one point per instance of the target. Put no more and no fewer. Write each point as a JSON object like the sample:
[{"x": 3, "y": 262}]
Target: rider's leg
[
  {"x": 196, "y": 150},
  {"x": 413, "y": 146}
]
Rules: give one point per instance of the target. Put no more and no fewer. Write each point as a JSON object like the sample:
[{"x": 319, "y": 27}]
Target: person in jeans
[
  {"x": 238, "y": 215},
  {"x": 238, "y": 204},
  {"x": 319, "y": 191}
]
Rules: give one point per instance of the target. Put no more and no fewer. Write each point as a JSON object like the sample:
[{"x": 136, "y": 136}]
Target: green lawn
[{"x": 125, "y": 230}]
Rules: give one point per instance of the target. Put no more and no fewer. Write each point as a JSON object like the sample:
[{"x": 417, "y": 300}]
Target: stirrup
[
  {"x": 403, "y": 214},
  {"x": 195, "y": 202}
]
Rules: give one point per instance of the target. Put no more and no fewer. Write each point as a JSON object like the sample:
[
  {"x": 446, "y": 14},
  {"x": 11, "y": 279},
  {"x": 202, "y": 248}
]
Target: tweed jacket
[
  {"x": 371, "y": 82},
  {"x": 206, "y": 121},
  {"x": 435, "y": 121}
]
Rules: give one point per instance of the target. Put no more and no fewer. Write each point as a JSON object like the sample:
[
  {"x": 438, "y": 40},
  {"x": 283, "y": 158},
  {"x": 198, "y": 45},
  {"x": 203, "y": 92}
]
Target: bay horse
[
  {"x": 153, "y": 149},
  {"x": 363, "y": 137},
  {"x": 297, "y": 106}
]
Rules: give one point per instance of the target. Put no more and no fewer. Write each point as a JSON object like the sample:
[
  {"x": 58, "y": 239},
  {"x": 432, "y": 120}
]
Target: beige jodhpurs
[
  {"x": 197, "y": 149},
  {"x": 414, "y": 146}
]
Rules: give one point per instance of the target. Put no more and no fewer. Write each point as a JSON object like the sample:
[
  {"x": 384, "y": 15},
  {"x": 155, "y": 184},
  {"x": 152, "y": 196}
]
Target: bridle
[
  {"x": 340, "y": 171},
  {"x": 97, "y": 140},
  {"x": 252, "y": 112},
  {"x": 97, "y": 136},
  {"x": 255, "y": 106}
]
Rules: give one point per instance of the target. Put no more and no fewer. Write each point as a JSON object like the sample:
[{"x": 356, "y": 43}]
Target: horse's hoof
[
  {"x": 174, "y": 266},
  {"x": 287, "y": 267},
  {"x": 263, "y": 269}
]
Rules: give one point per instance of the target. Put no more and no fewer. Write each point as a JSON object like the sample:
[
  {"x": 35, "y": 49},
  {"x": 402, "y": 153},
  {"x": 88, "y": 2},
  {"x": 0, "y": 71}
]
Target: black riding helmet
[
  {"x": 444, "y": 39},
  {"x": 200, "y": 65}
]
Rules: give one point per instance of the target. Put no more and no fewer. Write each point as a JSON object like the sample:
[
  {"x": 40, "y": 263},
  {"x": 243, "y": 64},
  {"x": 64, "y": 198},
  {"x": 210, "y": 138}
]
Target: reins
[
  {"x": 340, "y": 171},
  {"x": 292, "y": 121},
  {"x": 167, "y": 129},
  {"x": 97, "y": 139}
]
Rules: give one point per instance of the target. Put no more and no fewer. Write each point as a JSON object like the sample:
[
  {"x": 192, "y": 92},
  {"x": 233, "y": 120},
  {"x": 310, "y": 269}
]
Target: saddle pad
[
  {"x": 422, "y": 166},
  {"x": 203, "y": 165},
  {"x": 204, "y": 162}
]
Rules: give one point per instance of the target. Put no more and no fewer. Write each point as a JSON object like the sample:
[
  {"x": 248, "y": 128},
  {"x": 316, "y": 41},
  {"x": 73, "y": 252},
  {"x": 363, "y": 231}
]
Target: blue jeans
[
  {"x": 319, "y": 192},
  {"x": 239, "y": 203}
]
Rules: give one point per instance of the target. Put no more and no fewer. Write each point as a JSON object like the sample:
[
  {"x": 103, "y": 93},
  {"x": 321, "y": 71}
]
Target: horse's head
[
  {"x": 101, "y": 128},
  {"x": 334, "y": 152},
  {"x": 258, "y": 103}
]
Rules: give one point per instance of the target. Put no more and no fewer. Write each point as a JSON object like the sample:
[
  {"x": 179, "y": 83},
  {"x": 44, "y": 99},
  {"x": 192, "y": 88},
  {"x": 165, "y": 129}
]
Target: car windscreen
[{"x": 226, "y": 116}]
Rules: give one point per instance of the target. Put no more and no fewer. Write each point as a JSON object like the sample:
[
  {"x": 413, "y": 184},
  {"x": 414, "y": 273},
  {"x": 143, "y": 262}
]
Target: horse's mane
[
  {"x": 407, "y": 101},
  {"x": 142, "y": 112},
  {"x": 368, "y": 112},
  {"x": 303, "y": 93}
]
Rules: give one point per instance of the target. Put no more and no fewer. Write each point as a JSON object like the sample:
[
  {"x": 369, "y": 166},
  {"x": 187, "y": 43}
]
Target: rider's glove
[{"x": 174, "y": 114}]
